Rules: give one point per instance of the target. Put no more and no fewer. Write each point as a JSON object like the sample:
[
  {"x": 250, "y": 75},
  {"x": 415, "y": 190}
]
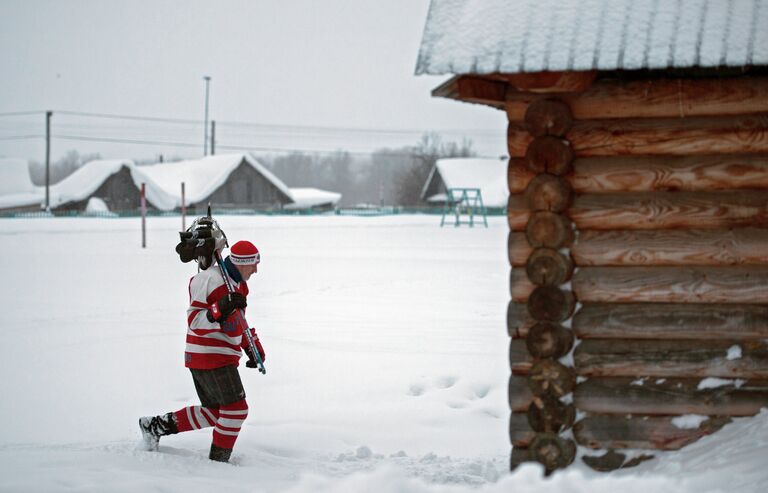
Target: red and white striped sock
[
  {"x": 196, "y": 417},
  {"x": 231, "y": 419}
]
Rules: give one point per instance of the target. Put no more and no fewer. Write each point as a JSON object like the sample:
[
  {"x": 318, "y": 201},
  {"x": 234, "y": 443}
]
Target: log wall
[{"x": 639, "y": 209}]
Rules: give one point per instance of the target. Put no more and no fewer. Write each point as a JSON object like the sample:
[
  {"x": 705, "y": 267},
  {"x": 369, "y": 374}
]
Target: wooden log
[
  {"x": 550, "y": 415},
  {"x": 519, "y": 321},
  {"x": 690, "y": 284},
  {"x": 659, "y": 173},
  {"x": 553, "y": 451},
  {"x": 548, "y": 193},
  {"x": 663, "y": 136},
  {"x": 518, "y": 213},
  {"x": 550, "y": 304},
  {"x": 636, "y": 210},
  {"x": 551, "y": 378},
  {"x": 548, "y": 267},
  {"x": 612, "y": 460},
  {"x": 518, "y": 175},
  {"x": 550, "y": 82},
  {"x": 520, "y": 360},
  {"x": 518, "y": 249},
  {"x": 661, "y": 210},
  {"x": 520, "y": 287},
  {"x": 609, "y": 461},
  {"x": 546, "y": 229},
  {"x": 655, "y": 173},
  {"x": 519, "y": 394},
  {"x": 658, "y": 98},
  {"x": 518, "y": 456},
  {"x": 473, "y": 89},
  {"x": 548, "y": 117},
  {"x": 547, "y": 154},
  {"x": 669, "y": 397},
  {"x": 520, "y": 432},
  {"x": 640, "y": 432},
  {"x": 672, "y": 358},
  {"x": 671, "y": 321},
  {"x": 672, "y": 247},
  {"x": 548, "y": 340}
]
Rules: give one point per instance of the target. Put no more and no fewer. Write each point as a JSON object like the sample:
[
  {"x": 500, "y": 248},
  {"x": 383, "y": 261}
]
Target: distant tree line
[
  {"x": 61, "y": 168},
  {"x": 388, "y": 176}
]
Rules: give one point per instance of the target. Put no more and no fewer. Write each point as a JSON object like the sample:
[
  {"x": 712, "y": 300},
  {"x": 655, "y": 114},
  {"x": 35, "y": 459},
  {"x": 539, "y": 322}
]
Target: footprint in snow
[
  {"x": 446, "y": 382},
  {"x": 481, "y": 391},
  {"x": 416, "y": 390}
]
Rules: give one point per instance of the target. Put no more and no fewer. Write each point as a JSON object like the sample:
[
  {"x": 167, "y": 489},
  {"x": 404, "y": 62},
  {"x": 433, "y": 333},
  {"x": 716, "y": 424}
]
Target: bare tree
[
  {"x": 61, "y": 168},
  {"x": 425, "y": 155}
]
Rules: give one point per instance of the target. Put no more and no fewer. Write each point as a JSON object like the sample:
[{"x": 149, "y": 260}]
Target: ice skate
[{"x": 154, "y": 427}]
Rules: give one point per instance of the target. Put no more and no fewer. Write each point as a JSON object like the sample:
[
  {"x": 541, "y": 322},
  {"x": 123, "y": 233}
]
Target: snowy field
[{"x": 386, "y": 365}]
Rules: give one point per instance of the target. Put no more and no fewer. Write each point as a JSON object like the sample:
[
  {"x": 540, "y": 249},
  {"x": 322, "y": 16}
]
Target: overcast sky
[{"x": 307, "y": 63}]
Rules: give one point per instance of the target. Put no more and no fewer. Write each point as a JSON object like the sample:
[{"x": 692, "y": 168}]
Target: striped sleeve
[{"x": 198, "y": 304}]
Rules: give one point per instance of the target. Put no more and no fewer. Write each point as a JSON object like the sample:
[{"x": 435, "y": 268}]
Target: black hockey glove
[{"x": 222, "y": 309}]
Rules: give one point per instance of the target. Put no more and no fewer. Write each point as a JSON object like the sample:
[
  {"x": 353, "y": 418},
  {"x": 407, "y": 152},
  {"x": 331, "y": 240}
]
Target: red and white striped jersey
[{"x": 209, "y": 344}]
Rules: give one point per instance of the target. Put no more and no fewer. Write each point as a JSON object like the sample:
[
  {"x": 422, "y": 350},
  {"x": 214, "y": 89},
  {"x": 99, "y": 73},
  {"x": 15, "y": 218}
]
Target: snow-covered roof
[
  {"x": 14, "y": 176},
  {"x": 489, "y": 175},
  {"x": 16, "y": 187},
  {"x": 306, "y": 198},
  {"x": 202, "y": 177},
  {"x": 90, "y": 176},
  {"x": 85, "y": 180},
  {"x": 13, "y": 200},
  {"x": 487, "y": 36}
]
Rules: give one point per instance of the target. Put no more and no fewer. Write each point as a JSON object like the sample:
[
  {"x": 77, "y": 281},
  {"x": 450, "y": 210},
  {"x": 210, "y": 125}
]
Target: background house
[
  {"x": 638, "y": 179},
  {"x": 17, "y": 193},
  {"x": 116, "y": 183},
  {"x": 228, "y": 181},
  {"x": 313, "y": 199},
  {"x": 489, "y": 175}
]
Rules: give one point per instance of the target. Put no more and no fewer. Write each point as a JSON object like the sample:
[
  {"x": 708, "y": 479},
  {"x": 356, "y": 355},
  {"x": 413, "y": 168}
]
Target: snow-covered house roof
[
  {"x": 16, "y": 187},
  {"x": 307, "y": 198},
  {"x": 202, "y": 177},
  {"x": 85, "y": 180},
  {"x": 489, "y": 175},
  {"x": 88, "y": 178},
  {"x": 14, "y": 176},
  {"x": 487, "y": 36}
]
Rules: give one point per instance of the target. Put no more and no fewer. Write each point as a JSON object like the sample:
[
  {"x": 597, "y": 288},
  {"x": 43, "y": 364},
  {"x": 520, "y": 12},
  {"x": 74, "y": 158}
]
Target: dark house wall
[
  {"x": 118, "y": 192},
  {"x": 245, "y": 188},
  {"x": 23, "y": 208},
  {"x": 436, "y": 185}
]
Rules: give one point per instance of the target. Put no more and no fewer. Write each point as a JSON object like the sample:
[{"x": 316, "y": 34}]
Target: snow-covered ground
[{"x": 386, "y": 365}]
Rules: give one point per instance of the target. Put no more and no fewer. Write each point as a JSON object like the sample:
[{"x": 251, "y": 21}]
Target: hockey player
[{"x": 214, "y": 342}]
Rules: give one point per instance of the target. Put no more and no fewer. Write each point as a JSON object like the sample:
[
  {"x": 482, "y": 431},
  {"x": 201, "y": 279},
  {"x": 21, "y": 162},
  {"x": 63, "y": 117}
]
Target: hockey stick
[{"x": 230, "y": 289}]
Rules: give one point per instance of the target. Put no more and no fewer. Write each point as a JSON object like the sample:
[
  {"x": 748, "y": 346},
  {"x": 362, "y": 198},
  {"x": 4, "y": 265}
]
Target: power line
[
  {"x": 190, "y": 144},
  {"x": 352, "y": 129},
  {"x": 123, "y": 141},
  {"x": 127, "y": 117},
  {"x": 22, "y": 113},
  {"x": 22, "y": 137},
  {"x": 283, "y": 127},
  {"x": 232, "y": 147}
]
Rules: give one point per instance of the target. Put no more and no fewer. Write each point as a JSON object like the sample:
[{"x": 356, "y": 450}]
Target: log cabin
[{"x": 638, "y": 213}]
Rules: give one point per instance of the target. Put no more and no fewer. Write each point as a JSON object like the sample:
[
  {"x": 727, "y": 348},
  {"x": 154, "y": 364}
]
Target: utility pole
[
  {"x": 213, "y": 137},
  {"x": 48, "y": 115},
  {"x": 205, "y": 139}
]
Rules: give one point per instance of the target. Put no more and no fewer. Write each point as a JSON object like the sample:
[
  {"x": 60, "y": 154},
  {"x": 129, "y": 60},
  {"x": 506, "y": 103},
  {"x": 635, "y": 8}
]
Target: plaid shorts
[{"x": 218, "y": 387}]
